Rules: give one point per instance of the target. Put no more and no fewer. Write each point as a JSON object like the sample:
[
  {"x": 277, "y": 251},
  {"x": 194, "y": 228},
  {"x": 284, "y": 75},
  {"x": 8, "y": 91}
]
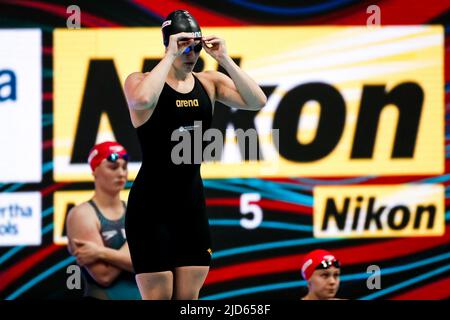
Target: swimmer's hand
[
  {"x": 178, "y": 43},
  {"x": 86, "y": 252},
  {"x": 215, "y": 47}
]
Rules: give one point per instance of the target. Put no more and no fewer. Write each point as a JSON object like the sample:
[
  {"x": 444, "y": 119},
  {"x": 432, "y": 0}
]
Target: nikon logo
[
  {"x": 327, "y": 125},
  {"x": 187, "y": 103},
  {"x": 379, "y": 211}
]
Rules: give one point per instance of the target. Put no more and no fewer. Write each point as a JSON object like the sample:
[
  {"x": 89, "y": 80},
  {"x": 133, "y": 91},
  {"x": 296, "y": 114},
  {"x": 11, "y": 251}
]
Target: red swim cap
[
  {"x": 316, "y": 259},
  {"x": 104, "y": 150}
]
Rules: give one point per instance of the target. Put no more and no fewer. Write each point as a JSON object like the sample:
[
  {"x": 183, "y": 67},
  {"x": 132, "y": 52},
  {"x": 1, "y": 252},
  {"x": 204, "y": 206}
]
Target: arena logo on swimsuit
[{"x": 187, "y": 103}]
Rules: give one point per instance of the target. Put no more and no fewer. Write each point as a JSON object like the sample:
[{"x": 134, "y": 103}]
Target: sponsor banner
[
  {"x": 20, "y": 105},
  {"x": 409, "y": 210},
  {"x": 20, "y": 219},
  {"x": 342, "y": 101}
]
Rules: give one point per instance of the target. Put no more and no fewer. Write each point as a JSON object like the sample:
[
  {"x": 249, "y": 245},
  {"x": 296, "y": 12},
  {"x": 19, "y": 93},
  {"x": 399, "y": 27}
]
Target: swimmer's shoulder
[
  {"x": 83, "y": 212},
  {"x": 136, "y": 76},
  {"x": 208, "y": 75}
]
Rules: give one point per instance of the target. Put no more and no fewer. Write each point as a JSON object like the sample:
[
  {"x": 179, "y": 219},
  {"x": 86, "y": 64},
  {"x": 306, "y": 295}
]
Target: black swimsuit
[{"x": 166, "y": 222}]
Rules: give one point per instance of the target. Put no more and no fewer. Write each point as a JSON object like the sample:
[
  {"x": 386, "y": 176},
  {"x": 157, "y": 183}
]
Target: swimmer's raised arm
[
  {"x": 142, "y": 90},
  {"x": 239, "y": 90}
]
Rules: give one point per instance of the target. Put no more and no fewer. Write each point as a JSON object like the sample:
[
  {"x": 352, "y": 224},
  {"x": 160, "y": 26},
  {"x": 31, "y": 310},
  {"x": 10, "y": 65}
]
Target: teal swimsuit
[{"x": 124, "y": 286}]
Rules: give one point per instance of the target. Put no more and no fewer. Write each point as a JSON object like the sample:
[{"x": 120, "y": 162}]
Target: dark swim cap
[{"x": 179, "y": 21}]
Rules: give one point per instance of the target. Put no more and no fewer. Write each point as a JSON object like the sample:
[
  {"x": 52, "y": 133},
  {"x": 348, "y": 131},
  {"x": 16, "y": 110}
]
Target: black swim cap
[{"x": 179, "y": 21}]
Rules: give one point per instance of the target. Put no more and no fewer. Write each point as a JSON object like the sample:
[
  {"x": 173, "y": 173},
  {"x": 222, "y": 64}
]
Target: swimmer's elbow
[
  {"x": 103, "y": 274},
  {"x": 262, "y": 102},
  {"x": 258, "y": 104},
  {"x": 142, "y": 103},
  {"x": 105, "y": 279}
]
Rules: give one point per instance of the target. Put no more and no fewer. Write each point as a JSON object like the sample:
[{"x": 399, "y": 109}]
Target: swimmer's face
[
  {"x": 187, "y": 61},
  {"x": 111, "y": 176},
  {"x": 325, "y": 283}
]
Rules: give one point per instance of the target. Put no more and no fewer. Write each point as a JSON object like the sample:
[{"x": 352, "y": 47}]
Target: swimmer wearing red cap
[
  {"x": 166, "y": 222},
  {"x": 321, "y": 270},
  {"x": 96, "y": 229}
]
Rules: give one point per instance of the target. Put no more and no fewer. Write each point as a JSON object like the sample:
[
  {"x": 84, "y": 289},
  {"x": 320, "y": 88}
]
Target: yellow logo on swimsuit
[
  {"x": 209, "y": 251},
  {"x": 187, "y": 103}
]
